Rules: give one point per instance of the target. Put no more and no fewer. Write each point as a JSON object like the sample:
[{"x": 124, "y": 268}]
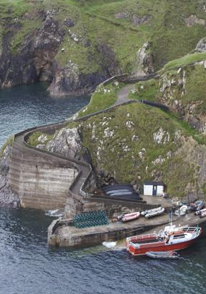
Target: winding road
[{"x": 23, "y": 155}]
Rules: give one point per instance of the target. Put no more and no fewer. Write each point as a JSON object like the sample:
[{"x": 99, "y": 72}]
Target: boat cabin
[{"x": 153, "y": 188}]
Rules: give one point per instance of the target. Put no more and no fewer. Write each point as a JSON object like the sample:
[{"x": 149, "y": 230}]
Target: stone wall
[{"x": 41, "y": 180}]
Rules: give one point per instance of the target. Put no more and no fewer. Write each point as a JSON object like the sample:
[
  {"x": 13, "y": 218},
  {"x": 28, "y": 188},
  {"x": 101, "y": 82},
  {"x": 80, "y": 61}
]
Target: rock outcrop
[
  {"x": 201, "y": 46},
  {"x": 144, "y": 61},
  {"x": 7, "y": 197},
  {"x": 66, "y": 142},
  {"x": 75, "y": 49}
]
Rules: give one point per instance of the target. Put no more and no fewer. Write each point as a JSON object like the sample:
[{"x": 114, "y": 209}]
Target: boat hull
[
  {"x": 163, "y": 254},
  {"x": 130, "y": 217},
  {"x": 139, "y": 245},
  {"x": 158, "y": 247}
]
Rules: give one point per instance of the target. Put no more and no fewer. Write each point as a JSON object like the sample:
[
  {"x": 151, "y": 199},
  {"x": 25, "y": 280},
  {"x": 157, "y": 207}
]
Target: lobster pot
[{"x": 91, "y": 219}]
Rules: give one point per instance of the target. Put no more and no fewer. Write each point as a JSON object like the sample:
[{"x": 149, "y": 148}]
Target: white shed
[{"x": 153, "y": 188}]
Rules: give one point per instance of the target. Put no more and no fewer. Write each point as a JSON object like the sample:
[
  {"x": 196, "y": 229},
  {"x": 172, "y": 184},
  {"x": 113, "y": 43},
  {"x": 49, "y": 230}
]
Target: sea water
[{"x": 29, "y": 266}]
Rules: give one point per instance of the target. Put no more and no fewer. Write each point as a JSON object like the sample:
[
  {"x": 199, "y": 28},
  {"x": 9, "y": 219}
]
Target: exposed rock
[
  {"x": 7, "y": 197},
  {"x": 193, "y": 19},
  {"x": 136, "y": 20},
  {"x": 140, "y": 20},
  {"x": 161, "y": 137},
  {"x": 129, "y": 124},
  {"x": 123, "y": 14},
  {"x": 108, "y": 133},
  {"x": 135, "y": 138},
  {"x": 69, "y": 23},
  {"x": 34, "y": 60},
  {"x": 43, "y": 138},
  {"x": 108, "y": 61},
  {"x": 158, "y": 160},
  {"x": 201, "y": 45},
  {"x": 66, "y": 142},
  {"x": 144, "y": 61},
  {"x": 71, "y": 82}
]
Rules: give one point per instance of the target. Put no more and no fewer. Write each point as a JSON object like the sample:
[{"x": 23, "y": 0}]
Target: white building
[{"x": 153, "y": 188}]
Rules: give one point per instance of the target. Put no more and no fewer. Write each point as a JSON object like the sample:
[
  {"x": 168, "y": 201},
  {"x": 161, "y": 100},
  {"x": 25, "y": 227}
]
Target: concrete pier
[
  {"x": 69, "y": 236},
  {"x": 62, "y": 234}
]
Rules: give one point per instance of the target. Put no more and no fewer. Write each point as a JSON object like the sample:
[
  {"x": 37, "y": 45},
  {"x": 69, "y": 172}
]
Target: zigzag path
[{"x": 20, "y": 147}]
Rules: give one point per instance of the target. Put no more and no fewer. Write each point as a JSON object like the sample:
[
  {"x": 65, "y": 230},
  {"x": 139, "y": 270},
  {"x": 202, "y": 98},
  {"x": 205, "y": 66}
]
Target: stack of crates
[{"x": 91, "y": 219}]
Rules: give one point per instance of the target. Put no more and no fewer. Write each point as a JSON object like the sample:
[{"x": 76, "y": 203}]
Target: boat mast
[{"x": 170, "y": 217}]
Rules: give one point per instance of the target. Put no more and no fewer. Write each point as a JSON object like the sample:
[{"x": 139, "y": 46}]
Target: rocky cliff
[
  {"x": 133, "y": 143},
  {"x": 75, "y": 45},
  {"x": 7, "y": 197},
  {"x": 181, "y": 86}
]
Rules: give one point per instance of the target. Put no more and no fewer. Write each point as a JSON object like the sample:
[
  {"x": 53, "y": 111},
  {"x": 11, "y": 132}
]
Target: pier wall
[{"x": 41, "y": 180}]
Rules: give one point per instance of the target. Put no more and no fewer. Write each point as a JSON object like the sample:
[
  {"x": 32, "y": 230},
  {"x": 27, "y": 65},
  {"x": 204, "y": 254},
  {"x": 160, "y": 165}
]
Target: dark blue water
[
  {"x": 27, "y": 106},
  {"x": 29, "y": 266}
]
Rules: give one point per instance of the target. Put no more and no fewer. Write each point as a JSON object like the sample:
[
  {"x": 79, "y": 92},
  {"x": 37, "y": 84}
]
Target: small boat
[
  {"x": 201, "y": 213},
  {"x": 197, "y": 205},
  {"x": 170, "y": 239},
  {"x": 109, "y": 244},
  {"x": 163, "y": 254},
  {"x": 151, "y": 210},
  {"x": 129, "y": 216},
  {"x": 155, "y": 213},
  {"x": 181, "y": 211}
]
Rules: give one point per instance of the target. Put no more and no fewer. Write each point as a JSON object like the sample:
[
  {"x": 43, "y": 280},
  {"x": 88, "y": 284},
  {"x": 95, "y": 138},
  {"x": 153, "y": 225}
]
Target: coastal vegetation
[
  {"x": 76, "y": 45},
  {"x": 9, "y": 142},
  {"x": 137, "y": 142},
  {"x": 81, "y": 43}
]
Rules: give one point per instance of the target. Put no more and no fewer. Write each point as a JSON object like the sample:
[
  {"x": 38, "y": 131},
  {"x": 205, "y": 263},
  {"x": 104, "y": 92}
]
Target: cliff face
[
  {"x": 7, "y": 197},
  {"x": 181, "y": 86},
  {"x": 33, "y": 59},
  {"x": 76, "y": 45}
]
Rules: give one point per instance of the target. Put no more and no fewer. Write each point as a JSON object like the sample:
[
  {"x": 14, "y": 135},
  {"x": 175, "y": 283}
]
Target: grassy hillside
[
  {"x": 123, "y": 25},
  {"x": 181, "y": 85},
  {"x": 136, "y": 142}
]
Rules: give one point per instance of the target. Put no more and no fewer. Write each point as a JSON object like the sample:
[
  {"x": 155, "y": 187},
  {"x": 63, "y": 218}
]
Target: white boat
[
  {"x": 201, "y": 213},
  {"x": 181, "y": 211},
  {"x": 109, "y": 244},
  {"x": 151, "y": 210},
  {"x": 155, "y": 213},
  {"x": 163, "y": 254}
]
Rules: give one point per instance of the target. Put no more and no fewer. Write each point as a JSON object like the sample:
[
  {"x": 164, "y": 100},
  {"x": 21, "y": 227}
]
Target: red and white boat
[
  {"x": 171, "y": 238},
  {"x": 129, "y": 216}
]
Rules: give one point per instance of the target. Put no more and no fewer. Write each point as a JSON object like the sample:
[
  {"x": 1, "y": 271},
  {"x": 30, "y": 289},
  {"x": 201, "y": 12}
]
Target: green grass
[
  {"x": 9, "y": 142},
  {"x": 27, "y": 26},
  {"x": 118, "y": 155},
  {"x": 95, "y": 24},
  {"x": 145, "y": 90},
  {"x": 33, "y": 139},
  {"x": 189, "y": 130},
  {"x": 104, "y": 97},
  {"x": 185, "y": 60}
]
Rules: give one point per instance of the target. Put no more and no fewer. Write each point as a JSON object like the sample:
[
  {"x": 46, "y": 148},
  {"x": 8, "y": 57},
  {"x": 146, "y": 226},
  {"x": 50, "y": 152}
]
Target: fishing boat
[
  {"x": 171, "y": 238},
  {"x": 163, "y": 254},
  {"x": 129, "y": 216}
]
